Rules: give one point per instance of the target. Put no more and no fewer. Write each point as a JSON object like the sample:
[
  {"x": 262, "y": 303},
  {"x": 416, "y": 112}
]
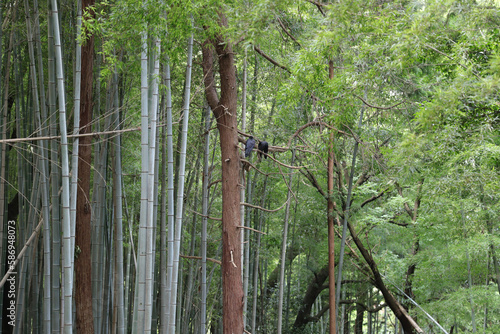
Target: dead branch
[
  {"x": 96, "y": 134},
  {"x": 263, "y": 209},
  {"x": 202, "y": 215},
  {"x": 252, "y": 229},
  {"x": 199, "y": 258}
]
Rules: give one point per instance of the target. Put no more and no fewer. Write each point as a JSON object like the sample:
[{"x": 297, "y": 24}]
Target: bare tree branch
[
  {"x": 199, "y": 258},
  {"x": 263, "y": 209},
  {"x": 287, "y": 32},
  {"x": 271, "y": 60},
  {"x": 252, "y": 229}
]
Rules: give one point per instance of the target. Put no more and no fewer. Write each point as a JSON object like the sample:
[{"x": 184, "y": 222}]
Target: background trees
[{"x": 421, "y": 251}]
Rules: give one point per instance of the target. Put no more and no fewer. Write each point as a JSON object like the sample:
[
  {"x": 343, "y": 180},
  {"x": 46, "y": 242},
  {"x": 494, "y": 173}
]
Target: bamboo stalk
[
  {"x": 180, "y": 189},
  {"x": 67, "y": 249},
  {"x": 43, "y": 175}
]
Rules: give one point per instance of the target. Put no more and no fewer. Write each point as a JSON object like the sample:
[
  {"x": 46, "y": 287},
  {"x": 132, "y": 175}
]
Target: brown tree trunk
[
  {"x": 224, "y": 110},
  {"x": 83, "y": 282},
  {"x": 331, "y": 232}
]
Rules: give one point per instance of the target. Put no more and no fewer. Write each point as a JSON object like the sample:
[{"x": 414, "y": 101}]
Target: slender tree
[
  {"x": 283, "y": 250},
  {"x": 180, "y": 190},
  {"x": 224, "y": 110},
  {"x": 83, "y": 236},
  {"x": 67, "y": 250},
  {"x": 118, "y": 215},
  {"x": 331, "y": 227},
  {"x": 44, "y": 172},
  {"x": 205, "y": 193}
]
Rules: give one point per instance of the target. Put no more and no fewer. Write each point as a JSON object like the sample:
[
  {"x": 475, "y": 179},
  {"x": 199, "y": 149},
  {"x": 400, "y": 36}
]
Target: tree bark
[
  {"x": 224, "y": 110},
  {"x": 83, "y": 282}
]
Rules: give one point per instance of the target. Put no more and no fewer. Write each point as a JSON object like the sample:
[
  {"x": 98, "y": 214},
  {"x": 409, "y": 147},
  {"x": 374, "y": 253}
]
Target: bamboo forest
[{"x": 250, "y": 166}]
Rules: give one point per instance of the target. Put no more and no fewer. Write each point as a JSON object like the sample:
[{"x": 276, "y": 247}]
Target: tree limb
[
  {"x": 307, "y": 173},
  {"x": 377, "y": 107},
  {"x": 287, "y": 32},
  {"x": 272, "y": 61},
  {"x": 263, "y": 209},
  {"x": 199, "y": 258},
  {"x": 319, "y": 5},
  {"x": 374, "y": 197}
]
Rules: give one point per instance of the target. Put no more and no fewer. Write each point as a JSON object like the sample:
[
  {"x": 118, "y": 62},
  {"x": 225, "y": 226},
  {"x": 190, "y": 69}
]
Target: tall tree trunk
[
  {"x": 152, "y": 190},
  {"x": 244, "y": 269},
  {"x": 67, "y": 250},
  {"x": 472, "y": 313},
  {"x": 83, "y": 235},
  {"x": 206, "y": 182},
  {"x": 283, "y": 251},
  {"x": 56, "y": 185},
  {"x": 331, "y": 229},
  {"x": 180, "y": 191},
  {"x": 256, "y": 260},
  {"x": 117, "y": 204},
  {"x": 331, "y": 241},
  {"x": 163, "y": 219},
  {"x": 44, "y": 173},
  {"x": 140, "y": 297},
  {"x": 170, "y": 195},
  {"x": 346, "y": 215},
  {"x": 224, "y": 110}
]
